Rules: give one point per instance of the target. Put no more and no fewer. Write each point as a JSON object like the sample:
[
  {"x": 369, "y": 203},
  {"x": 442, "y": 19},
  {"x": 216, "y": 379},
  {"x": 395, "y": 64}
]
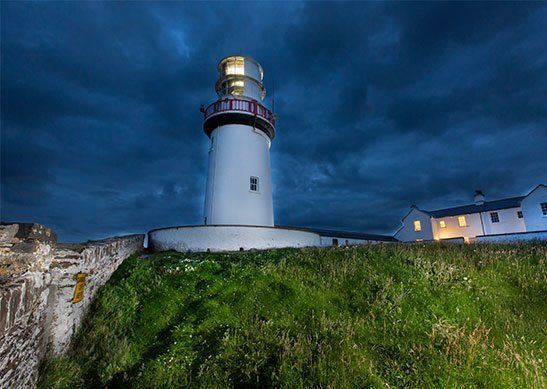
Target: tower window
[
  {"x": 234, "y": 65},
  {"x": 253, "y": 184},
  {"x": 417, "y": 225},
  {"x": 544, "y": 209},
  {"x": 519, "y": 214},
  {"x": 494, "y": 217},
  {"x": 461, "y": 221}
]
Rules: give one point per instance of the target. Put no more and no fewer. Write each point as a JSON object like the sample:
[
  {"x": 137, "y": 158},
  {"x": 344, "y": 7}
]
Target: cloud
[{"x": 380, "y": 105}]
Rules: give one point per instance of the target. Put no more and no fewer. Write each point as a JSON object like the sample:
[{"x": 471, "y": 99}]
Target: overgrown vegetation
[{"x": 374, "y": 316}]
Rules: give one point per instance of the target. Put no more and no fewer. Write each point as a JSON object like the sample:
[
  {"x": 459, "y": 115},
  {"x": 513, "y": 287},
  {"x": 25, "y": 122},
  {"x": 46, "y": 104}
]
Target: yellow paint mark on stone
[{"x": 79, "y": 290}]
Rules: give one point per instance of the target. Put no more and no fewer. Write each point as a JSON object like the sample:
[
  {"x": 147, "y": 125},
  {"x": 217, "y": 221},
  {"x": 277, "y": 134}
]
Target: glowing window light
[
  {"x": 442, "y": 223},
  {"x": 234, "y": 65},
  {"x": 235, "y": 87},
  {"x": 461, "y": 221},
  {"x": 417, "y": 225}
]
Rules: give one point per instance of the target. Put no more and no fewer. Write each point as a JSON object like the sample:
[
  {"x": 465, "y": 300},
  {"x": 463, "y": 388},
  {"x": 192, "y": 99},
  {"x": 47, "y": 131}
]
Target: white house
[{"x": 524, "y": 216}]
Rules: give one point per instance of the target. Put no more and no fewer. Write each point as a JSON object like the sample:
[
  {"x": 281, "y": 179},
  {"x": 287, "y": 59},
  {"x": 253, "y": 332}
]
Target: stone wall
[{"x": 37, "y": 284}]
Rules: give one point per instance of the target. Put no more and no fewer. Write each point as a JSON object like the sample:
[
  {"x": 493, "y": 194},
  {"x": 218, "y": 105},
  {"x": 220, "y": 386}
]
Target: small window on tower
[
  {"x": 417, "y": 225},
  {"x": 253, "y": 184},
  {"x": 494, "y": 217}
]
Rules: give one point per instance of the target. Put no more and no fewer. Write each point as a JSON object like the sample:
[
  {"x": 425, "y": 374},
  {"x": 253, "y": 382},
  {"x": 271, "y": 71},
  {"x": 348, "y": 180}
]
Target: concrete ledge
[
  {"x": 515, "y": 237},
  {"x": 229, "y": 238}
]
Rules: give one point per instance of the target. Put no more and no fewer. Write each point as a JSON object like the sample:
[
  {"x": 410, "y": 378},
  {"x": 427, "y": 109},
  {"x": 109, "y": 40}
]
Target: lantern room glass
[{"x": 234, "y": 65}]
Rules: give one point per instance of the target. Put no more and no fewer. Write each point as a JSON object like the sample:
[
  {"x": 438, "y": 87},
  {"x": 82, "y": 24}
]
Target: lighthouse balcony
[{"x": 239, "y": 111}]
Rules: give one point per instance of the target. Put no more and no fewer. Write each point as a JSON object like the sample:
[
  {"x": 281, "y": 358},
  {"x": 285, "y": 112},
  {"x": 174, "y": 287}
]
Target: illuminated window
[
  {"x": 442, "y": 223},
  {"x": 233, "y": 87},
  {"x": 544, "y": 209},
  {"x": 519, "y": 214},
  {"x": 494, "y": 217},
  {"x": 461, "y": 221},
  {"x": 253, "y": 187},
  {"x": 234, "y": 65},
  {"x": 417, "y": 225}
]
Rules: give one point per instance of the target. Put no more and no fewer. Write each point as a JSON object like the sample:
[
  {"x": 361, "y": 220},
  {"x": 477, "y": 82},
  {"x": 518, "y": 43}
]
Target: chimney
[{"x": 479, "y": 197}]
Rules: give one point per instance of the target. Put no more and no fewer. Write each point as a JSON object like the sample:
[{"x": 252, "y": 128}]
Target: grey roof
[
  {"x": 348, "y": 234},
  {"x": 511, "y": 202}
]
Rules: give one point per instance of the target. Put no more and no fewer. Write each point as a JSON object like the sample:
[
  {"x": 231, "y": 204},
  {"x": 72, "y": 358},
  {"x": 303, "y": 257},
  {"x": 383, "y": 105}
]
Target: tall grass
[{"x": 372, "y": 316}]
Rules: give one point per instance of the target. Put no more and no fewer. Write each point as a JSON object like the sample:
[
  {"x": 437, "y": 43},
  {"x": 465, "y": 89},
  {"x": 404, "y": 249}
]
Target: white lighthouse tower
[
  {"x": 240, "y": 129},
  {"x": 238, "y": 199}
]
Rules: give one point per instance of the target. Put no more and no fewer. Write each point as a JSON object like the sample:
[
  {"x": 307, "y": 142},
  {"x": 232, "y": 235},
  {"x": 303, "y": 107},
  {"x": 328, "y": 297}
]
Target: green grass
[{"x": 373, "y": 316}]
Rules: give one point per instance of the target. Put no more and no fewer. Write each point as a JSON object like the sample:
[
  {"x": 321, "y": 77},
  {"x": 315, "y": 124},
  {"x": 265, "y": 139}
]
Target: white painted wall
[
  {"x": 407, "y": 233},
  {"x": 531, "y": 209},
  {"x": 327, "y": 241},
  {"x": 229, "y": 238},
  {"x": 509, "y": 222},
  {"x": 508, "y": 238},
  {"x": 238, "y": 152},
  {"x": 453, "y": 229}
]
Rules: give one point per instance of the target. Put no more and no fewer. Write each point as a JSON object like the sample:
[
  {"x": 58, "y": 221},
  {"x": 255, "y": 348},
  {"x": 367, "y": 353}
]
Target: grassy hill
[{"x": 374, "y": 316}]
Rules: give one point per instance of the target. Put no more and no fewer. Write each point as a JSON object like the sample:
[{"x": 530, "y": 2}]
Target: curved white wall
[
  {"x": 236, "y": 153},
  {"x": 229, "y": 238}
]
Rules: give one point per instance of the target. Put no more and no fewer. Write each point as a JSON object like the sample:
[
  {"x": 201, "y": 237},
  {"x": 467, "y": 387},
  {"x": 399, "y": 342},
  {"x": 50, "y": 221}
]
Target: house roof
[
  {"x": 348, "y": 234},
  {"x": 511, "y": 202}
]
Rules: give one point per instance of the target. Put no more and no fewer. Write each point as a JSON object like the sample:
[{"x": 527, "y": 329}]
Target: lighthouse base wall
[{"x": 229, "y": 238}]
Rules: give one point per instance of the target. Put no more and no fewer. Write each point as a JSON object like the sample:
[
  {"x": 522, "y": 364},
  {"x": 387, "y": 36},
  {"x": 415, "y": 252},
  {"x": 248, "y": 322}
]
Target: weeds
[{"x": 371, "y": 316}]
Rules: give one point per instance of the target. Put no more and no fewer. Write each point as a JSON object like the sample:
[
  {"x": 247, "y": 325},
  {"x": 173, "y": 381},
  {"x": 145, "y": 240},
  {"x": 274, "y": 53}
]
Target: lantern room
[{"x": 240, "y": 76}]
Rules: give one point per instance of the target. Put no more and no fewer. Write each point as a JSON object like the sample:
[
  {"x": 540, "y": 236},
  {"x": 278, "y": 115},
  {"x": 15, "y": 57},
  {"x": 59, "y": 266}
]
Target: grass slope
[{"x": 373, "y": 316}]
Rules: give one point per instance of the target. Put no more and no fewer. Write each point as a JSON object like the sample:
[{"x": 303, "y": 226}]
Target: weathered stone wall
[{"x": 37, "y": 282}]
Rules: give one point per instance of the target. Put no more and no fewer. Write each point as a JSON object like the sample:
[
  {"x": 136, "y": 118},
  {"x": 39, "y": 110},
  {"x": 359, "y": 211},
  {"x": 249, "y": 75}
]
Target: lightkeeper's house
[{"x": 482, "y": 220}]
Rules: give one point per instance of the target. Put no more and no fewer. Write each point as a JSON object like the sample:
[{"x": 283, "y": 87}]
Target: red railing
[{"x": 251, "y": 107}]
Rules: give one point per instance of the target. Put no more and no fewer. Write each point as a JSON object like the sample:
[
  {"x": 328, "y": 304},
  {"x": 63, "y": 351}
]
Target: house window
[
  {"x": 417, "y": 225},
  {"x": 253, "y": 184},
  {"x": 442, "y": 224},
  {"x": 494, "y": 217},
  {"x": 544, "y": 209},
  {"x": 335, "y": 242},
  {"x": 519, "y": 214},
  {"x": 461, "y": 221}
]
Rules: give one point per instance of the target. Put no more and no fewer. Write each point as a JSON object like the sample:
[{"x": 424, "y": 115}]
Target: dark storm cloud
[{"x": 381, "y": 105}]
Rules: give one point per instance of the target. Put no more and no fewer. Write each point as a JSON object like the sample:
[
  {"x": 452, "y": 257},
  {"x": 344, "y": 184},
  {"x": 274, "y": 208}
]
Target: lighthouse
[
  {"x": 240, "y": 130},
  {"x": 238, "y": 198}
]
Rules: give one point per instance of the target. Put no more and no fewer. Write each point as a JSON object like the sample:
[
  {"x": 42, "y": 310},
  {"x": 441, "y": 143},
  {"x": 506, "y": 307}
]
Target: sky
[{"x": 379, "y": 106}]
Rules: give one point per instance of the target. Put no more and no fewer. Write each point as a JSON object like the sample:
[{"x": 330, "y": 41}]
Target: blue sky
[{"x": 380, "y": 106}]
